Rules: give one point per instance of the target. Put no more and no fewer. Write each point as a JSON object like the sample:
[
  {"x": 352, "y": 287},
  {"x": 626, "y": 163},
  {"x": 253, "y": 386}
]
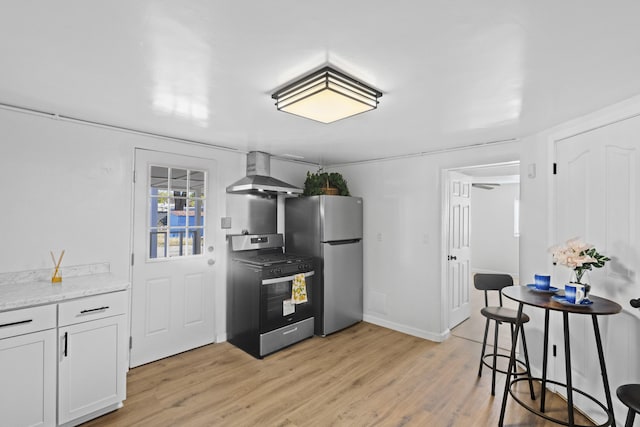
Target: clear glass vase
[{"x": 584, "y": 280}]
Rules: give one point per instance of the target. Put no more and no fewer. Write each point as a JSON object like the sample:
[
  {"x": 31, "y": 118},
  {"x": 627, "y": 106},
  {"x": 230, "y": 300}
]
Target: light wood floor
[
  {"x": 473, "y": 327},
  {"x": 365, "y": 375}
]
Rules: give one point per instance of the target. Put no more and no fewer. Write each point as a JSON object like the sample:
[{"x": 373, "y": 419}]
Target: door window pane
[
  {"x": 176, "y": 212},
  {"x": 179, "y": 180},
  {"x": 159, "y": 179}
]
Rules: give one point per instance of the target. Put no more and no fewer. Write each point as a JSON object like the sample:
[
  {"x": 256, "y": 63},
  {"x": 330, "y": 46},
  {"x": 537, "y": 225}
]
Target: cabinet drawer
[
  {"x": 92, "y": 308},
  {"x": 27, "y": 320}
]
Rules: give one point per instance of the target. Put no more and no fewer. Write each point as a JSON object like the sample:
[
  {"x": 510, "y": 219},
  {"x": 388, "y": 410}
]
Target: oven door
[{"x": 276, "y": 304}]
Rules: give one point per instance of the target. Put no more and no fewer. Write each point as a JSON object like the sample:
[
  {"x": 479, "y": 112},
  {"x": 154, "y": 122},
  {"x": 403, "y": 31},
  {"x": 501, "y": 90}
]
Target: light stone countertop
[{"x": 32, "y": 293}]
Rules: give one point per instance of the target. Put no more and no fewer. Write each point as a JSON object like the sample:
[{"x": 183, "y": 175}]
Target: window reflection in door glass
[
  {"x": 179, "y": 180},
  {"x": 159, "y": 179},
  {"x": 176, "y": 212}
]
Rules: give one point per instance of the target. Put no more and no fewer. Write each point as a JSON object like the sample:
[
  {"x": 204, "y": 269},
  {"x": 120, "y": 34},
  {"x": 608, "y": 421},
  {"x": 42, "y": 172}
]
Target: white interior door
[
  {"x": 459, "y": 256},
  {"x": 173, "y": 264},
  {"x": 597, "y": 196}
]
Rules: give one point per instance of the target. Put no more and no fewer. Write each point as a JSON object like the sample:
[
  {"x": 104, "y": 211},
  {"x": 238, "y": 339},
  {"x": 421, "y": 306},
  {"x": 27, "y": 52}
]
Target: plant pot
[{"x": 330, "y": 191}]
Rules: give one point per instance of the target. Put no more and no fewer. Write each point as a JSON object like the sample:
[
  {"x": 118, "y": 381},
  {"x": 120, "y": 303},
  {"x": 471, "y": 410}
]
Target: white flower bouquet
[{"x": 578, "y": 256}]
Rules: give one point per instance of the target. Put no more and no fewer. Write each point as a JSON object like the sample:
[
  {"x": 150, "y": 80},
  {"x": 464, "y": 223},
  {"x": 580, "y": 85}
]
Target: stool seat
[
  {"x": 502, "y": 314},
  {"x": 629, "y": 394}
]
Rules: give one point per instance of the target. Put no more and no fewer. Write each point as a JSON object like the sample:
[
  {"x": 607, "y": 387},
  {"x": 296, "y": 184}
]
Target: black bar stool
[
  {"x": 499, "y": 314},
  {"x": 629, "y": 394}
]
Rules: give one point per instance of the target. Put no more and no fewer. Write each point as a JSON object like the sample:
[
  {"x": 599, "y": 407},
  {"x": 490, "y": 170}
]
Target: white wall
[
  {"x": 402, "y": 235},
  {"x": 68, "y": 186},
  {"x": 621, "y": 332},
  {"x": 494, "y": 248}
]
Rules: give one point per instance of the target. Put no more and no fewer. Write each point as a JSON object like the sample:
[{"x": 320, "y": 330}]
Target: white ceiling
[{"x": 453, "y": 73}]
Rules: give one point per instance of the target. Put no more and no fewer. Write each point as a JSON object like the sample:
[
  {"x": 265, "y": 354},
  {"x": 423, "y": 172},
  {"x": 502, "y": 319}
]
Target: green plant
[{"x": 315, "y": 182}]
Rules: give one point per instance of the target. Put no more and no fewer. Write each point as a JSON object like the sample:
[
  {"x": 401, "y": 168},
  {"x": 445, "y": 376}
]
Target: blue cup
[
  {"x": 543, "y": 281},
  {"x": 574, "y": 293}
]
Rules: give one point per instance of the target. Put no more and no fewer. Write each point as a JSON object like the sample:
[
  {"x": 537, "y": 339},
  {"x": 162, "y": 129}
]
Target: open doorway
[{"x": 494, "y": 239}]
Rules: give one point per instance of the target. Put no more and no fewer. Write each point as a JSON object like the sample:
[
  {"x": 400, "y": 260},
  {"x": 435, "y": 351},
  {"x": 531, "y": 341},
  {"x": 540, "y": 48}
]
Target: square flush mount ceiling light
[{"x": 326, "y": 95}]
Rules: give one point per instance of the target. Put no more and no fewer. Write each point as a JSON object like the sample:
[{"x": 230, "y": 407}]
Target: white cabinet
[
  {"x": 28, "y": 367},
  {"x": 92, "y": 356}
]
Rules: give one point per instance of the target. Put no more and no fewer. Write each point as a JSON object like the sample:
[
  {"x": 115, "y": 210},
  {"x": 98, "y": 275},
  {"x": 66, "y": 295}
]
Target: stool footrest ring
[{"x": 504, "y": 356}]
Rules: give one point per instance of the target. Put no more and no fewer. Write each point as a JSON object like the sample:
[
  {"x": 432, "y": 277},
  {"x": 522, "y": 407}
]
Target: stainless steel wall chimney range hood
[{"x": 259, "y": 180}]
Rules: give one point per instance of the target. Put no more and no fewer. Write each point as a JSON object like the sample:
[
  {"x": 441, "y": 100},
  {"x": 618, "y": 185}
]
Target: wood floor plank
[{"x": 365, "y": 375}]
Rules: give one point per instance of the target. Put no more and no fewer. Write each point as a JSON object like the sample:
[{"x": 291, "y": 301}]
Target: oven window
[
  {"x": 277, "y": 307},
  {"x": 176, "y": 211},
  {"x": 277, "y": 293}
]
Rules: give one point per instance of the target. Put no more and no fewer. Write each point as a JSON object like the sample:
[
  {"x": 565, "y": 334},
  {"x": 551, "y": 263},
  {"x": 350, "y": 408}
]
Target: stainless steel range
[{"x": 262, "y": 315}]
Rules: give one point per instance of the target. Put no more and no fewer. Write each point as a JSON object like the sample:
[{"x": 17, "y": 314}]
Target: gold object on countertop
[{"x": 56, "y": 278}]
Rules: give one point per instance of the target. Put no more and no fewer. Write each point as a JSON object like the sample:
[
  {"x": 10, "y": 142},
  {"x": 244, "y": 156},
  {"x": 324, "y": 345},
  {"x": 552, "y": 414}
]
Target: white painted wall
[
  {"x": 621, "y": 332},
  {"x": 68, "y": 186},
  {"x": 494, "y": 248},
  {"x": 403, "y": 235}
]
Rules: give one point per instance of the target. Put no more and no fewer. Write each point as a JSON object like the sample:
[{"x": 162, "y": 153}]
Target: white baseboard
[
  {"x": 221, "y": 338},
  {"x": 409, "y": 330}
]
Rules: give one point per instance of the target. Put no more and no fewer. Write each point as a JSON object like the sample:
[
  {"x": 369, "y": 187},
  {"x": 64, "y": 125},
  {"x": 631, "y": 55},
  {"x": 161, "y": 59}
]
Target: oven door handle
[{"x": 286, "y": 278}]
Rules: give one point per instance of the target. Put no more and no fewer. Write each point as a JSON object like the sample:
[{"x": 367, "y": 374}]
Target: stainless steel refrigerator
[{"x": 330, "y": 229}]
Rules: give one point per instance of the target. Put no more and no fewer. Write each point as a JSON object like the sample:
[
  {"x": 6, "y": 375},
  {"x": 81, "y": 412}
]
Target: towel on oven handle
[{"x": 299, "y": 289}]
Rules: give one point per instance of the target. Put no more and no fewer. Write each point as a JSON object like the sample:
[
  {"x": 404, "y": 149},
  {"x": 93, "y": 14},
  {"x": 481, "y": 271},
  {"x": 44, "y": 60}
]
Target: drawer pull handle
[
  {"x": 94, "y": 309},
  {"x": 290, "y": 331},
  {"x": 22, "y": 322},
  {"x": 66, "y": 346}
]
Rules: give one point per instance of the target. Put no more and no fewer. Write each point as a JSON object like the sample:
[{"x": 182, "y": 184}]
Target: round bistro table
[{"x": 601, "y": 306}]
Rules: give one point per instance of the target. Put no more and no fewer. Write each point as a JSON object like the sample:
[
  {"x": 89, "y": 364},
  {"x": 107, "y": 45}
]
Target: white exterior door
[
  {"x": 459, "y": 256},
  {"x": 597, "y": 199},
  {"x": 173, "y": 255}
]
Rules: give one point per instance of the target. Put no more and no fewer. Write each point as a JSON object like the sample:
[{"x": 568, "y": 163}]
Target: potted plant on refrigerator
[{"x": 329, "y": 183}]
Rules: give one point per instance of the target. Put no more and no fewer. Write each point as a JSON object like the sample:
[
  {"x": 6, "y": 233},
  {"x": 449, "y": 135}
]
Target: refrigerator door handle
[{"x": 343, "y": 242}]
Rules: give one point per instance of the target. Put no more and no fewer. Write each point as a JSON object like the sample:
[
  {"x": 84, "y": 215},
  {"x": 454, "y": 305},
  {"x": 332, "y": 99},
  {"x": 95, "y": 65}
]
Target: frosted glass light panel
[{"x": 177, "y": 208}]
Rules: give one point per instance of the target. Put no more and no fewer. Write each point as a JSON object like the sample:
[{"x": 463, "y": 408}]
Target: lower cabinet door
[
  {"x": 92, "y": 367},
  {"x": 28, "y": 379}
]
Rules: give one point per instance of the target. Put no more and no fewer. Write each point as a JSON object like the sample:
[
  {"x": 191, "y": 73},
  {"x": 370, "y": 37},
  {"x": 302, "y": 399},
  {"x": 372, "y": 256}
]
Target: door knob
[
  {"x": 210, "y": 248},
  {"x": 211, "y": 261}
]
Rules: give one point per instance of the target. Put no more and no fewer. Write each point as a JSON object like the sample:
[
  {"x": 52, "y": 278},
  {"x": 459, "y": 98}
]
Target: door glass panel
[
  {"x": 159, "y": 177},
  {"x": 158, "y": 245},
  {"x": 178, "y": 180},
  {"x": 176, "y": 212},
  {"x": 196, "y": 212},
  {"x": 196, "y": 241},
  {"x": 197, "y": 183}
]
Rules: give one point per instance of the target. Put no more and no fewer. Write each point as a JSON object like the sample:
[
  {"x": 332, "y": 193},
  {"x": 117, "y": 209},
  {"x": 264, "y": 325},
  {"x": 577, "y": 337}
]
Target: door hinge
[
  {"x": 132, "y": 259},
  {"x": 554, "y": 350},
  {"x": 130, "y": 343},
  {"x": 555, "y": 168}
]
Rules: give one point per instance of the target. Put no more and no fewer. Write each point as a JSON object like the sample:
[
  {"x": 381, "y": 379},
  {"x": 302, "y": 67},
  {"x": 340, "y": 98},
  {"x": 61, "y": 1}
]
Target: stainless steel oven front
[{"x": 276, "y": 304}]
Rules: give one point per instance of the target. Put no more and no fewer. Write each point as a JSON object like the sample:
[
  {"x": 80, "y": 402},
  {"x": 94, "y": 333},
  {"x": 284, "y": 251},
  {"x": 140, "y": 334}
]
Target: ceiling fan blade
[{"x": 484, "y": 185}]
